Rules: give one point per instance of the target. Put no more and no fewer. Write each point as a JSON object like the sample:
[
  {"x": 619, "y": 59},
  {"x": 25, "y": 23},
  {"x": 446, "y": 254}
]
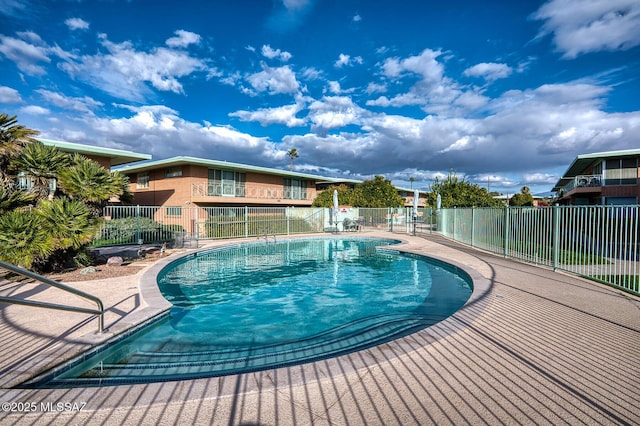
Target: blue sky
[{"x": 505, "y": 94}]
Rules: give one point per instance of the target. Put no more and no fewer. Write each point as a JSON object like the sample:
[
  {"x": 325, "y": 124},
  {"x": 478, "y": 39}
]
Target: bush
[
  {"x": 255, "y": 226},
  {"x": 128, "y": 230}
]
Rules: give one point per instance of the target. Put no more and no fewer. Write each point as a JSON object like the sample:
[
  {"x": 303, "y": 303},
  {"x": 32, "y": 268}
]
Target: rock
[
  {"x": 88, "y": 270},
  {"x": 115, "y": 261}
]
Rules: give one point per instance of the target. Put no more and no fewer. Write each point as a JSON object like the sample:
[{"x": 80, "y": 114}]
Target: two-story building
[
  {"x": 601, "y": 178},
  {"x": 106, "y": 157},
  {"x": 180, "y": 181}
]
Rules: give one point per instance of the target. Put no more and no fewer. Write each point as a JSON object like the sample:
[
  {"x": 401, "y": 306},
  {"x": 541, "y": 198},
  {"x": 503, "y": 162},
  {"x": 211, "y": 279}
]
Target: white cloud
[
  {"x": 375, "y": 88},
  {"x": 14, "y": 8},
  {"x": 434, "y": 92},
  {"x": 279, "y": 115},
  {"x": 471, "y": 101},
  {"x": 76, "y": 24},
  {"x": 311, "y": 73},
  {"x": 84, "y": 104},
  {"x": 35, "y": 110},
  {"x": 160, "y": 131},
  {"x": 290, "y": 16},
  {"x": 274, "y": 80},
  {"x": 357, "y": 18},
  {"x": 270, "y": 53},
  {"x": 425, "y": 64},
  {"x": 334, "y": 112},
  {"x": 28, "y": 52},
  {"x": 342, "y": 60},
  {"x": 295, "y": 4},
  {"x": 490, "y": 71},
  {"x": 539, "y": 179},
  {"x": 183, "y": 39},
  {"x": 584, "y": 26},
  {"x": 334, "y": 87},
  {"x": 9, "y": 95},
  {"x": 123, "y": 71},
  {"x": 347, "y": 60}
]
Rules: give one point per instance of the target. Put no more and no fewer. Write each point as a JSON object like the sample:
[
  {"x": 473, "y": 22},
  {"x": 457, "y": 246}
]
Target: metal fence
[
  {"x": 180, "y": 226},
  {"x": 599, "y": 242}
]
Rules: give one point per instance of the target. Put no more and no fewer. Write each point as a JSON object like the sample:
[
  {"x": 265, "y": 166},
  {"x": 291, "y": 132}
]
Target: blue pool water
[{"x": 256, "y": 306}]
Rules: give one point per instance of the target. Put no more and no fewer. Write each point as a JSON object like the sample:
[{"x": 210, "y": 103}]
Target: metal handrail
[{"x": 24, "y": 272}]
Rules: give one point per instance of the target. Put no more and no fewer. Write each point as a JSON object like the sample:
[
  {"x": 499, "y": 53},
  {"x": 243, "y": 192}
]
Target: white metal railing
[
  {"x": 583, "y": 181},
  {"x": 599, "y": 242},
  {"x": 98, "y": 312},
  {"x": 201, "y": 189}
]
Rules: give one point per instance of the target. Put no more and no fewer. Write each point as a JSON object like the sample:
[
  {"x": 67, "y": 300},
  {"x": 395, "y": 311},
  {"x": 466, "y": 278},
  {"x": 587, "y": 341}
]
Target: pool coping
[
  {"x": 158, "y": 306},
  {"x": 508, "y": 356}
]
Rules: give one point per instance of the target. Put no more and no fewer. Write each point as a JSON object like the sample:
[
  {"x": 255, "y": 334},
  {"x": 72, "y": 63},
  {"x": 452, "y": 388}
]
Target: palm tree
[
  {"x": 412, "y": 179},
  {"x": 87, "y": 181},
  {"x": 68, "y": 222},
  {"x": 13, "y": 139},
  {"x": 23, "y": 241},
  {"x": 14, "y": 200},
  {"x": 292, "y": 153},
  {"x": 41, "y": 164}
]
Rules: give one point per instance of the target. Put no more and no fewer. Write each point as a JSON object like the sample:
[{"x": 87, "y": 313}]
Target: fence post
[
  {"x": 197, "y": 224},
  {"x": 455, "y": 213},
  {"x": 138, "y": 223},
  {"x": 246, "y": 221},
  {"x": 507, "y": 227},
  {"x": 473, "y": 231},
  {"x": 390, "y": 212},
  {"x": 430, "y": 220},
  {"x": 286, "y": 212},
  {"x": 556, "y": 237}
]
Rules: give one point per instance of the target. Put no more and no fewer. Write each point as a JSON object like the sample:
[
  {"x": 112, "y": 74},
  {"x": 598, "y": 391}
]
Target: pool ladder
[{"x": 266, "y": 234}]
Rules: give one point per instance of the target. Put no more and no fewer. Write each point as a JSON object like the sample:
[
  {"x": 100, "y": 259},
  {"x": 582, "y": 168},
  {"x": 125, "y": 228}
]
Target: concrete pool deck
[{"x": 533, "y": 346}]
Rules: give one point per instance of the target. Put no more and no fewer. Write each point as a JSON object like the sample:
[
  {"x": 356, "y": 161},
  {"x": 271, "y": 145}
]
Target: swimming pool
[{"x": 255, "y": 306}]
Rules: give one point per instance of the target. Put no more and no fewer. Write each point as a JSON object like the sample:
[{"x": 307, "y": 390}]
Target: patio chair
[{"x": 350, "y": 225}]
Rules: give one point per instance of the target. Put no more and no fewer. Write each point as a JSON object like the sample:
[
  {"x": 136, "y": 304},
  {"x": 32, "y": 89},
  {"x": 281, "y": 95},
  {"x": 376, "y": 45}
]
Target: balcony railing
[
  {"x": 249, "y": 191},
  {"x": 583, "y": 181}
]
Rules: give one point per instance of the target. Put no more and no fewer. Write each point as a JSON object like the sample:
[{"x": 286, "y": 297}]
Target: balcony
[
  {"x": 214, "y": 192},
  {"x": 590, "y": 183}
]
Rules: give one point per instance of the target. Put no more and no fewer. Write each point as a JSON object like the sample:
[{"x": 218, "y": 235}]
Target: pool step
[{"x": 165, "y": 363}]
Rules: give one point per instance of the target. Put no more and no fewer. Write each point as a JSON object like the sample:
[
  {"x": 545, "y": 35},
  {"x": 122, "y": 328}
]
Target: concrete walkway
[{"x": 531, "y": 347}]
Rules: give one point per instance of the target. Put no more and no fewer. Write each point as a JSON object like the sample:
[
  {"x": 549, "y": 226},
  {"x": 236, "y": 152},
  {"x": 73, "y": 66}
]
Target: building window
[
  {"x": 26, "y": 183},
  {"x": 621, "y": 171},
  {"x": 295, "y": 189},
  {"x": 174, "y": 211},
  {"x": 173, "y": 172},
  {"x": 226, "y": 183},
  {"x": 142, "y": 180}
]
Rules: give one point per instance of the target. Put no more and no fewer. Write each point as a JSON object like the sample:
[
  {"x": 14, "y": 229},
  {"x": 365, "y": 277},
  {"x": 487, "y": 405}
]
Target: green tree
[
  {"x": 524, "y": 198},
  {"x": 41, "y": 164},
  {"x": 377, "y": 192},
  {"x": 87, "y": 181},
  {"x": 23, "y": 240},
  {"x": 68, "y": 222},
  {"x": 13, "y": 138},
  {"x": 457, "y": 192},
  {"x": 43, "y": 229},
  {"x": 325, "y": 198},
  {"x": 12, "y": 200},
  {"x": 70, "y": 225}
]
